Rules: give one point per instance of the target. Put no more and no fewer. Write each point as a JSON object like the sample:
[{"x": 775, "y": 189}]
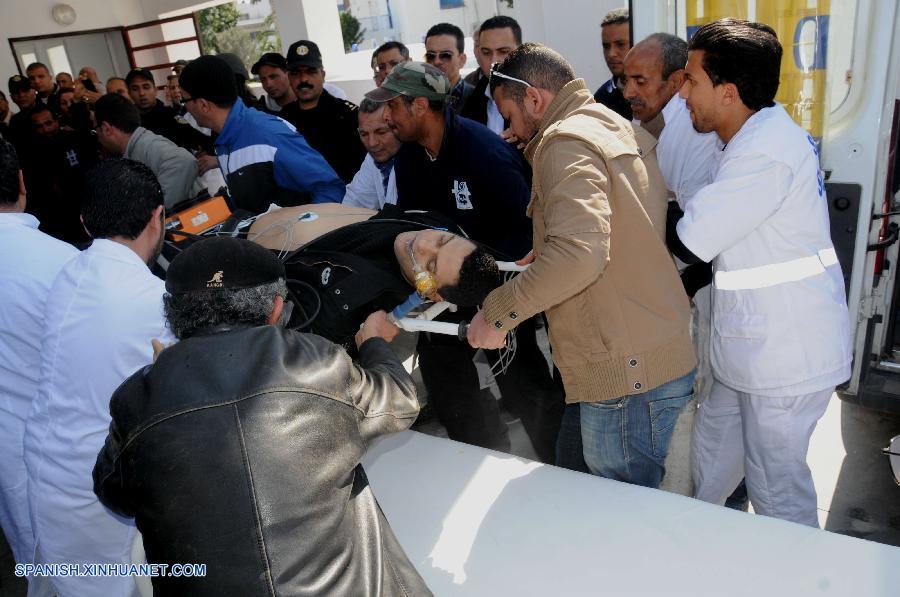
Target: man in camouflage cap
[{"x": 460, "y": 168}]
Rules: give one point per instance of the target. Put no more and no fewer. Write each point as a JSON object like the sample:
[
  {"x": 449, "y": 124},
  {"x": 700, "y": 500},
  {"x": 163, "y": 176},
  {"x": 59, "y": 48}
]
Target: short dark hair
[
  {"x": 117, "y": 111},
  {"x": 538, "y": 64},
  {"x": 616, "y": 16},
  {"x": 210, "y": 78},
  {"x": 111, "y": 79},
  {"x": 187, "y": 312},
  {"x": 449, "y": 29},
  {"x": 478, "y": 276},
  {"x": 392, "y": 45},
  {"x": 35, "y": 65},
  {"x": 673, "y": 52},
  {"x": 369, "y": 106},
  {"x": 119, "y": 199},
  {"x": 746, "y": 54},
  {"x": 40, "y": 108},
  {"x": 9, "y": 174},
  {"x": 503, "y": 22}
]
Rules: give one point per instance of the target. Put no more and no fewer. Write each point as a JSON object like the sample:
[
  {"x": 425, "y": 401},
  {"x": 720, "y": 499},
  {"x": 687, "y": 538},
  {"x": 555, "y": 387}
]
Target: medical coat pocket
[{"x": 740, "y": 326}]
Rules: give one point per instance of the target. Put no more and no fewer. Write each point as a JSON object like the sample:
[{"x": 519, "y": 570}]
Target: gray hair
[
  {"x": 616, "y": 17},
  {"x": 673, "y": 52},
  {"x": 187, "y": 312}
]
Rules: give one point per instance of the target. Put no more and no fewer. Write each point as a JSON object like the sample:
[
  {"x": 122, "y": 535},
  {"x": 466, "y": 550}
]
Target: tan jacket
[{"x": 617, "y": 311}]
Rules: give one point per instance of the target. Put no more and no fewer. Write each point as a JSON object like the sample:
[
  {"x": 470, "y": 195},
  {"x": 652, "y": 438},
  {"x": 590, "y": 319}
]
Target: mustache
[
  {"x": 637, "y": 102},
  {"x": 303, "y": 86}
]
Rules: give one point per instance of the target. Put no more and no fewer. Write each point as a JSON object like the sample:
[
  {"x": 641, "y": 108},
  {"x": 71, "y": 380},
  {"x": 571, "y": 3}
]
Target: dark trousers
[{"x": 472, "y": 415}]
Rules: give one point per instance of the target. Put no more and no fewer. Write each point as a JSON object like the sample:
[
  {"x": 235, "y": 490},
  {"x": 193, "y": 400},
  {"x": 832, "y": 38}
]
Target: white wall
[{"x": 572, "y": 28}]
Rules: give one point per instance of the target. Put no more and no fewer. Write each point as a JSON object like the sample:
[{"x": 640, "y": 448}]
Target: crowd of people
[{"x": 678, "y": 256}]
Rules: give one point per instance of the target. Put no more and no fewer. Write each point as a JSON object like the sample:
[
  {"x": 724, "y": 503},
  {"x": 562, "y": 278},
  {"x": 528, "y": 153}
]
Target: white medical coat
[
  {"x": 367, "y": 189},
  {"x": 779, "y": 317},
  {"x": 29, "y": 262},
  {"x": 103, "y": 310}
]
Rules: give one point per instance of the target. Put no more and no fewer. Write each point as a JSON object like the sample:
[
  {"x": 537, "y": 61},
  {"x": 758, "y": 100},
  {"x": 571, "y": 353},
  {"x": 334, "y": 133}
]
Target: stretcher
[{"x": 479, "y": 523}]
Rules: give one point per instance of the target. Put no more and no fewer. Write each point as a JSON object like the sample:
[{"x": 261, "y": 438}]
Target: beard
[{"x": 159, "y": 245}]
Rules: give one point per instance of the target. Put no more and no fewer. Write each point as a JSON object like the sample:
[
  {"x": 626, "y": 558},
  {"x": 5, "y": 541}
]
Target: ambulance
[{"x": 840, "y": 80}]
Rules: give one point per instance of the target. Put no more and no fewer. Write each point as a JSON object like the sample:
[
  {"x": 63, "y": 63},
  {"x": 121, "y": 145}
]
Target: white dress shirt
[
  {"x": 685, "y": 156},
  {"x": 29, "y": 263},
  {"x": 367, "y": 187},
  {"x": 103, "y": 310},
  {"x": 494, "y": 118}
]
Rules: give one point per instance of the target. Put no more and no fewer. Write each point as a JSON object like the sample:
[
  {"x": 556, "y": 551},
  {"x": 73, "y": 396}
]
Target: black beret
[{"x": 223, "y": 263}]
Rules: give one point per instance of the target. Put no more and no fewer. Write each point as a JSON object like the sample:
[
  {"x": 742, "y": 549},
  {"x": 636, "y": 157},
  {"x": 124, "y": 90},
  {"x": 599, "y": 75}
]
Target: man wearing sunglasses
[
  {"x": 387, "y": 56},
  {"x": 618, "y": 315},
  {"x": 445, "y": 49}
]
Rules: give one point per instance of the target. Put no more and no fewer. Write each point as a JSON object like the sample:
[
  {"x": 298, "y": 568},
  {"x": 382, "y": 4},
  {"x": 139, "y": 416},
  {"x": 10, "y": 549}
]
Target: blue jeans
[{"x": 627, "y": 438}]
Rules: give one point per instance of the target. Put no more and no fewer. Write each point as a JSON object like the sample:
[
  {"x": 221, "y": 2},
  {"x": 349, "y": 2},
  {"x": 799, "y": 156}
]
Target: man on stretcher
[
  {"x": 346, "y": 263},
  {"x": 361, "y": 260}
]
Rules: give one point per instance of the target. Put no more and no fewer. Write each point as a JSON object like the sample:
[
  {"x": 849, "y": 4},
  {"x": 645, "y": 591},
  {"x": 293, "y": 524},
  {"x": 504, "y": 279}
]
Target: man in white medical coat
[
  {"x": 103, "y": 311},
  {"x": 29, "y": 262},
  {"x": 780, "y": 335}
]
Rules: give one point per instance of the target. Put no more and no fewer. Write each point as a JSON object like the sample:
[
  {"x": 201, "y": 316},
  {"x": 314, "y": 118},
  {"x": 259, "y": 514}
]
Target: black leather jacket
[{"x": 240, "y": 450}]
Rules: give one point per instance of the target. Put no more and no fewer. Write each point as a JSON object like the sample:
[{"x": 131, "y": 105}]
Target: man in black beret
[{"x": 240, "y": 447}]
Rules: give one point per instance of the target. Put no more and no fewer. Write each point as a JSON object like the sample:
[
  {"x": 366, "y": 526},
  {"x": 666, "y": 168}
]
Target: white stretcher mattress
[{"x": 481, "y": 523}]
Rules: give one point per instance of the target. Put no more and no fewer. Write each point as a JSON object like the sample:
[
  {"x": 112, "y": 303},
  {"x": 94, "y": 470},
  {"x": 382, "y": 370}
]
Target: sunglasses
[
  {"x": 444, "y": 56},
  {"x": 495, "y": 72},
  {"x": 383, "y": 66}
]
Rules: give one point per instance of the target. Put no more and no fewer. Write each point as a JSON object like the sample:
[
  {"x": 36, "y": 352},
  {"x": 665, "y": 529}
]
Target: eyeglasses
[
  {"x": 383, "y": 66},
  {"x": 495, "y": 72},
  {"x": 444, "y": 56},
  {"x": 184, "y": 100}
]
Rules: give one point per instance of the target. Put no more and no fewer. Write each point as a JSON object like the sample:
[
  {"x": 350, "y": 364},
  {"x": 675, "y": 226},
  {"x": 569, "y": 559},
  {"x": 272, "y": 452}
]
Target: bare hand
[
  {"x": 527, "y": 259},
  {"x": 511, "y": 138},
  {"x": 483, "y": 335},
  {"x": 206, "y": 162},
  {"x": 376, "y": 325},
  {"x": 158, "y": 347}
]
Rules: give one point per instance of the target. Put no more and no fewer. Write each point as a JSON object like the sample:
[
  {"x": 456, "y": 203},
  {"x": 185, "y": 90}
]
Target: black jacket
[
  {"x": 241, "y": 448},
  {"x": 478, "y": 180},
  {"x": 166, "y": 122},
  {"x": 331, "y": 128},
  {"x": 610, "y": 95},
  {"x": 477, "y": 105}
]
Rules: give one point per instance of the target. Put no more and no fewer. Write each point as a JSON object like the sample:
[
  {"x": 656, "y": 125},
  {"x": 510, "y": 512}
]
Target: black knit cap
[
  {"x": 210, "y": 78},
  {"x": 223, "y": 263}
]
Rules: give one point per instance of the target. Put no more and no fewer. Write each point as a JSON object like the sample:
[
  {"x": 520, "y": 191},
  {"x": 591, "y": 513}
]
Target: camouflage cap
[{"x": 412, "y": 79}]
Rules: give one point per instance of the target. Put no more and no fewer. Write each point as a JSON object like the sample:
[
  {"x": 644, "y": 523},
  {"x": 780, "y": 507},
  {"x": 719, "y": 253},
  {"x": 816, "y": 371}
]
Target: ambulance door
[{"x": 839, "y": 80}]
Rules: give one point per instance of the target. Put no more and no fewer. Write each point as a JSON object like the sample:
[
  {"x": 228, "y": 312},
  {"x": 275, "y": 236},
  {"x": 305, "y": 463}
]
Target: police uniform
[
  {"x": 331, "y": 126},
  {"x": 780, "y": 337},
  {"x": 331, "y": 129}
]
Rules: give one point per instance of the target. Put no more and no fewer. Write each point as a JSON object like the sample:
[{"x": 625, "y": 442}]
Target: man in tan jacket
[{"x": 618, "y": 315}]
